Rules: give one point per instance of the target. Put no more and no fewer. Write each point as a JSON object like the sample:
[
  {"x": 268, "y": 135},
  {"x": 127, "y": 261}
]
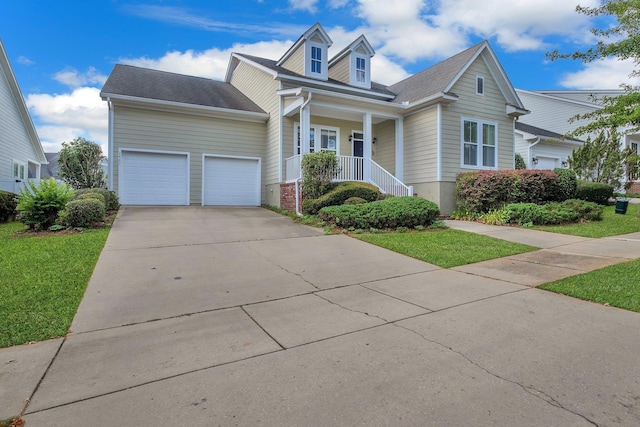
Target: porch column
[
  {"x": 400, "y": 149},
  {"x": 366, "y": 146},
  {"x": 305, "y": 129}
]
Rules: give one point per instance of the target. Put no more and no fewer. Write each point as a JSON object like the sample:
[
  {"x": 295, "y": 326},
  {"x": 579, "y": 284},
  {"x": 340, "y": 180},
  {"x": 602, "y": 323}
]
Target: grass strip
[
  {"x": 446, "y": 248},
  {"x": 42, "y": 280}
]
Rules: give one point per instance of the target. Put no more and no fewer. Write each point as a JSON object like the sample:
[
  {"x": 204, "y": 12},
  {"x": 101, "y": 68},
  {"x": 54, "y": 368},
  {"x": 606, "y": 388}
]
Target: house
[
  {"x": 551, "y": 110},
  {"x": 543, "y": 149},
  {"x": 51, "y": 170},
  {"x": 21, "y": 154},
  {"x": 176, "y": 139}
]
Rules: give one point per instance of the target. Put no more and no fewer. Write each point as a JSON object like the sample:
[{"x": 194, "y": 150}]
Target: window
[
  {"x": 634, "y": 147},
  {"x": 479, "y": 143},
  {"x": 19, "y": 169},
  {"x": 479, "y": 85},
  {"x": 316, "y": 59},
  {"x": 328, "y": 139},
  {"x": 361, "y": 70}
]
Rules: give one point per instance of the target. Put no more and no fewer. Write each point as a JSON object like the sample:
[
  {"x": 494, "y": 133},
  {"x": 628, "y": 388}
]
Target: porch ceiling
[{"x": 354, "y": 116}]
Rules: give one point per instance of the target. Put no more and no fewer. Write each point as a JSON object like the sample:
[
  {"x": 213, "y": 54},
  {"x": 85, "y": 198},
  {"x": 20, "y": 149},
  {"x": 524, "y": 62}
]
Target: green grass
[
  {"x": 42, "y": 280},
  {"x": 617, "y": 285},
  {"x": 612, "y": 224},
  {"x": 446, "y": 248}
]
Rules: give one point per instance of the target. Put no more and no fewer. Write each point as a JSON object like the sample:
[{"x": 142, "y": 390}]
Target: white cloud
[
  {"x": 308, "y": 5},
  {"x": 211, "y": 63},
  {"x": 25, "y": 61},
  {"x": 386, "y": 71},
  {"x": 603, "y": 74},
  {"x": 63, "y": 117},
  {"x": 337, "y": 4},
  {"x": 72, "y": 78}
]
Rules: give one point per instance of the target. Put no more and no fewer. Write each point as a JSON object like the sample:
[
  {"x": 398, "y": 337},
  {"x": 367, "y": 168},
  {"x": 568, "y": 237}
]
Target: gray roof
[
  {"x": 139, "y": 82},
  {"x": 541, "y": 132},
  {"x": 434, "y": 79},
  {"x": 376, "y": 88}
]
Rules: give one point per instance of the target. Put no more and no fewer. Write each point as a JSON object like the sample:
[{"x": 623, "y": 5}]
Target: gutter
[
  {"x": 110, "y": 143},
  {"x": 299, "y": 179}
]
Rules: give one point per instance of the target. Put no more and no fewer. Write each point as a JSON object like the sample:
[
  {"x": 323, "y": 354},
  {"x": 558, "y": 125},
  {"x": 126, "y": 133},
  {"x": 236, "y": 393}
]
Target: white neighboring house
[
  {"x": 21, "y": 153},
  {"x": 550, "y": 113},
  {"x": 543, "y": 149}
]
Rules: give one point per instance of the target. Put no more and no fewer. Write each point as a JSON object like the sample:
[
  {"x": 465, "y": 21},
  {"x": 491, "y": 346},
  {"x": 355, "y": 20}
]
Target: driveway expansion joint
[
  {"x": 539, "y": 394},
  {"x": 351, "y": 309}
]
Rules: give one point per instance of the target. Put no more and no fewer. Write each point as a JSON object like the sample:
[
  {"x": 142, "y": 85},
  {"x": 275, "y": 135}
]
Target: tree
[
  {"x": 621, "y": 41},
  {"x": 519, "y": 162},
  {"x": 600, "y": 159},
  {"x": 80, "y": 164},
  {"x": 318, "y": 170}
]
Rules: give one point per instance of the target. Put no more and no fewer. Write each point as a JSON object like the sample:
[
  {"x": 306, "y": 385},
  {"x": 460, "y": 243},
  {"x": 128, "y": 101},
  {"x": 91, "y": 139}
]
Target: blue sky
[{"x": 62, "y": 51}]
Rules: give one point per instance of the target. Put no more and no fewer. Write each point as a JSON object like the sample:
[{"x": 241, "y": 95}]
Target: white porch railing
[
  {"x": 356, "y": 169},
  {"x": 14, "y": 185}
]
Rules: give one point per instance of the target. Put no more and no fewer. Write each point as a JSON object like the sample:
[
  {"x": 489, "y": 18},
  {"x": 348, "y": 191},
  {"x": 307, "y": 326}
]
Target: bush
[
  {"x": 519, "y": 162},
  {"x": 84, "y": 212},
  {"x": 318, "y": 170},
  {"x": 390, "y": 213},
  {"x": 8, "y": 203},
  {"x": 91, "y": 195},
  {"x": 485, "y": 191},
  {"x": 567, "y": 184},
  {"x": 589, "y": 211},
  {"x": 596, "y": 192},
  {"x": 38, "y": 205},
  {"x": 339, "y": 194},
  {"x": 552, "y": 213},
  {"x": 355, "y": 201},
  {"x": 110, "y": 197}
]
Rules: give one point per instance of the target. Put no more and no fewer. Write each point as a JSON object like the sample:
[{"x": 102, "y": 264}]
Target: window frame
[
  {"x": 316, "y": 132},
  {"x": 21, "y": 170},
  {"x": 480, "y": 85},
  {"x": 480, "y": 144}
]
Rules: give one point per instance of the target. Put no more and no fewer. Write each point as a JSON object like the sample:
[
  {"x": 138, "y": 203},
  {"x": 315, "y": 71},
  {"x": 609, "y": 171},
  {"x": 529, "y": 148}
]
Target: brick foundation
[
  {"x": 635, "y": 188},
  {"x": 288, "y": 196}
]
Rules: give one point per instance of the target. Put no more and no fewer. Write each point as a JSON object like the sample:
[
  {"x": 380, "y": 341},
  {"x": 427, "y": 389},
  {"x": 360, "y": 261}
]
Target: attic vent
[
  {"x": 479, "y": 85},
  {"x": 361, "y": 50},
  {"x": 316, "y": 38}
]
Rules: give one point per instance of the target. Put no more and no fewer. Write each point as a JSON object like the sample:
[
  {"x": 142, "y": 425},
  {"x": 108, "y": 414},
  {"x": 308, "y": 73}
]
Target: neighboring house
[
  {"x": 543, "y": 149},
  {"x": 177, "y": 139},
  {"x": 51, "y": 169},
  {"x": 21, "y": 153},
  {"x": 551, "y": 110}
]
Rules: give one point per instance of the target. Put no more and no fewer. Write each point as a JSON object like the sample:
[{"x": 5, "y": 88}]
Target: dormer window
[
  {"x": 361, "y": 70},
  {"x": 316, "y": 59}
]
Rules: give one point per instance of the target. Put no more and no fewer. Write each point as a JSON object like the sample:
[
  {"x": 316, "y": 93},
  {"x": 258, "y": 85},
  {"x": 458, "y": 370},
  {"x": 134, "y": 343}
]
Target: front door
[{"x": 358, "y": 154}]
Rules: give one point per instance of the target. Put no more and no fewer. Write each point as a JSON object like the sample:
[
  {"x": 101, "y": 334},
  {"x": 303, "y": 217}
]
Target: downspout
[
  {"x": 531, "y": 153},
  {"x": 298, "y": 212},
  {"x": 110, "y": 144}
]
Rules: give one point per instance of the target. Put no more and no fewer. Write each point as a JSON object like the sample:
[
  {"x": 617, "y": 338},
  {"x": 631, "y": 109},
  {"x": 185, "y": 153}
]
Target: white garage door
[
  {"x": 153, "y": 178},
  {"x": 231, "y": 181},
  {"x": 546, "y": 163}
]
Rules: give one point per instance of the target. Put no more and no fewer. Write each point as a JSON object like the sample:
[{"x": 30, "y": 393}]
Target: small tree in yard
[
  {"x": 79, "y": 164},
  {"x": 318, "y": 170},
  {"x": 600, "y": 159},
  {"x": 519, "y": 162}
]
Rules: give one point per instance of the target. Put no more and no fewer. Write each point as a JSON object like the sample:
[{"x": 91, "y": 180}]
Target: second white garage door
[{"x": 231, "y": 181}]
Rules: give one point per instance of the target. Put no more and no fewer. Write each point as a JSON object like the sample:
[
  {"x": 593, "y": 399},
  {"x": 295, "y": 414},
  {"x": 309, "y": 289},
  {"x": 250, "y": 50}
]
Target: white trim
[
  {"x": 353, "y": 70},
  {"x": 111, "y": 155},
  {"x": 353, "y": 138},
  {"x": 280, "y": 139},
  {"x": 220, "y": 156},
  {"x": 352, "y": 109},
  {"x": 142, "y": 150},
  {"x": 399, "y": 155},
  {"x": 38, "y": 166},
  {"x": 479, "y": 145},
  {"x": 25, "y": 171},
  {"x": 317, "y": 141},
  {"x": 439, "y": 143},
  {"x": 309, "y": 60},
  {"x": 239, "y": 57},
  {"x": 337, "y": 87}
]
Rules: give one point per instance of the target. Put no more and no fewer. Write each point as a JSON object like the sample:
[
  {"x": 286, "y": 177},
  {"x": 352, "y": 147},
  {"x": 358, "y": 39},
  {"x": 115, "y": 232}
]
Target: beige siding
[
  {"x": 340, "y": 70},
  {"x": 197, "y": 135},
  {"x": 15, "y": 143},
  {"x": 420, "y": 147},
  {"x": 261, "y": 88},
  {"x": 384, "y": 150},
  {"x": 490, "y": 107},
  {"x": 295, "y": 62}
]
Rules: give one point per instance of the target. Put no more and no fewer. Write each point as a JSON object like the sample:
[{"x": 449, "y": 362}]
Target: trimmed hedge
[
  {"x": 596, "y": 192},
  {"x": 354, "y": 201},
  {"x": 484, "y": 191},
  {"x": 91, "y": 195},
  {"x": 84, "y": 212},
  {"x": 339, "y": 194},
  {"x": 110, "y": 197},
  {"x": 8, "y": 203},
  {"x": 394, "y": 212},
  {"x": 552, "y": 213},
  {"x": 567, "y": 184}
]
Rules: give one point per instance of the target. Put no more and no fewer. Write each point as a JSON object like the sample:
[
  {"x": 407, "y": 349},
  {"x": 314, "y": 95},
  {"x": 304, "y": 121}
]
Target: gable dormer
[
  {"x": 309, "y": 54},
  {"x": 353, "y": 64}
]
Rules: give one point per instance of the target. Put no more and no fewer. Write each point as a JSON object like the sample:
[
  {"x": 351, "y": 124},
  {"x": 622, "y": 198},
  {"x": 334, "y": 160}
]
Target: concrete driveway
[{"x": 214, "y": 316}]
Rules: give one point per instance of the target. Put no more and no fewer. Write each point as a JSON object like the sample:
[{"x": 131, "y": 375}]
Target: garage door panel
[
  {"x": 231, "y": 182},
  {"x": 154, "y": 178}
]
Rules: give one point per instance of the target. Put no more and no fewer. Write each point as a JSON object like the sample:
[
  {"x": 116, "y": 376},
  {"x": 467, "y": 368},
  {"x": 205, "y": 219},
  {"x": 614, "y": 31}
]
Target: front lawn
[
  {"x": 446, "y": 248},
  {"x": 612, "y": 224},
  {"x": 42, "y": 280},
  {"x": 617, "y": 285}
]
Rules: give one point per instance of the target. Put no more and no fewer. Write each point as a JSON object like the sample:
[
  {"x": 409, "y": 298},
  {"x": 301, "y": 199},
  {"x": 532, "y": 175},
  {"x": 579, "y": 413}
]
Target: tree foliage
[
  {"x": 519, "y": 162},
  {"x": 621, "y": 41},
  {"x": 79, "y": 164},
  {"x": 318, "y": 171},
  {"x": 600, "y": 159}
]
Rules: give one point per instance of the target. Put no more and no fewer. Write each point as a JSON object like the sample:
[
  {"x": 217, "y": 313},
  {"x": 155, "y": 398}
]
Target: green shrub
[
  {"x": 567, "y": 184},
  {"x": 84, "y": 212},
  {"x": 8, "y": 203},
  {"x": 355, "y": 201},
  {"x": 596, "y": 192},
  {"x": 588, "y": 211},
  {"x": 91, "y": 195},
  {"x": 526, "y": 213},
  {"x": 552, "y": 213},
  {"x": 38, "y": 205},
  {"x": 390, "y": 213},
  {"x": 318, "y": 170},
  {"x": 519, "y": 162},
  {"x": 110, "y": 197},
  {"x": 339, "y": 194}
]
